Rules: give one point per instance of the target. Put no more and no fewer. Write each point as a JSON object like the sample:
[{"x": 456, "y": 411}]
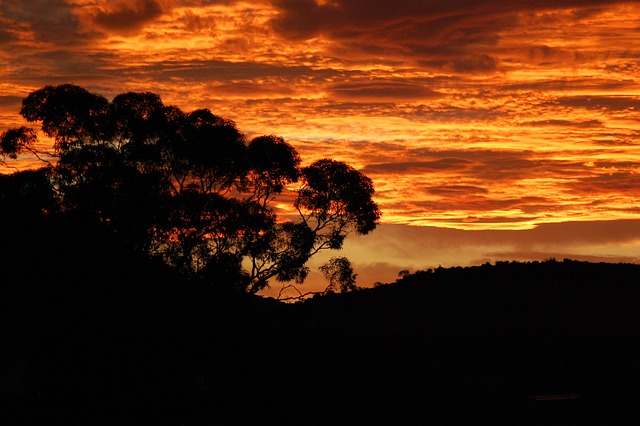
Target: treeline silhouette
[
  {"x": 126, "y": 298},
  {"x": 543, "y": 343},
  {"x": 184, "y": 188}
]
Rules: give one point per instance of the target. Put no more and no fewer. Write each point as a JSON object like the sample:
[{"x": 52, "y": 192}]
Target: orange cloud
[
  {"x": 128, "y": 16},
  {"x": 399, "y": 247},
  {"x": 470, "y": 115},
  {"x": 379, "y": 91}
]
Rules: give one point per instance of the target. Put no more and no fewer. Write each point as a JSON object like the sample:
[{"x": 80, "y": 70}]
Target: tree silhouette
[
  {"x": 339, "y": 272},
  {"x": 188, "y": 188}
]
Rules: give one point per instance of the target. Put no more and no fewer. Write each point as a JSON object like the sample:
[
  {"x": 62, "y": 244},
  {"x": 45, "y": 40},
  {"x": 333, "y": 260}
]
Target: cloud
[
  {"x": 546, "y": 55},
  {"x": 492, "y": 164},
  {"x": 571, "y": 84},
  {"x": 226, "y": 71},
  {"x": 482, "y": 204},
  {"x": 7, "y": 36},
  {"x": 332, "y": 15},
  {"x": 457, "y": 35},
  {"x": 10, "y": 101},
  {"x": 560, "y": 235},
  {"x": 246, "y": 90},
  {"x": 612, "y": 103},
  {"x": 49, "y": 21},
  {"x": 475, "y": 189},
  {"x": 377, "y": 91},
  {"x": 610, "y": 182},
  {"x": 391, "y": 248},
  {"x": 451, "y": 163},
  {"x": 516, "y": 100},
  {"x": 38, "y": 68},
  {"x": 128, "y": 16},
  {"x": 525, "y": 256},
  {"x": 475, "y": 64},
  {"x": 581, "y": 124},
  {"x": 455, "y": 190},
  {"x": 414, "y": 31}
]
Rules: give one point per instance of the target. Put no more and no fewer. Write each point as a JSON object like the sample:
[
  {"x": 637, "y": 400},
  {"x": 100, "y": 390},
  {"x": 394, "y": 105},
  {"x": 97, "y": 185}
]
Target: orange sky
[{"x": 493, "y": 129}]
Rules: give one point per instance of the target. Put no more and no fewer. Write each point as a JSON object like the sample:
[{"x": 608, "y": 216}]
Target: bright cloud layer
[{"x": 471, "y": 115}]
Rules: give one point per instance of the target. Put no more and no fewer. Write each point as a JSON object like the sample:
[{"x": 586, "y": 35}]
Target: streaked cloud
[
  {"x": 476, "y": 119},
  {"x": 596, "y": 102},
  {"x": 126, "y": 16},
  {"x": 378, "y": 91},
  {"x": 411, "y": 248},
  {"x": 40, "y": 21}
]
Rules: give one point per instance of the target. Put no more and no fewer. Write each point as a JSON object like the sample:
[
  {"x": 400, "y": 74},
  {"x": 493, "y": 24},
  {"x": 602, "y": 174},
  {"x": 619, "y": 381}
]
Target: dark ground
[{"x": 109, "y": 339}]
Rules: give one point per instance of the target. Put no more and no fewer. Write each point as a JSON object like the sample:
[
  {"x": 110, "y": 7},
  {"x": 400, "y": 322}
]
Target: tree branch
[{"x": 301, "y": 296}]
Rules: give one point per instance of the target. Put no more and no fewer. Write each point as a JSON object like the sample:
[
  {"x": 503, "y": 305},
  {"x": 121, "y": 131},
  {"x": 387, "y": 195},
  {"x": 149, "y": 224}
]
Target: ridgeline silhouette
[
  {"x": 551, "y": 343},
  {"x": 125, "y": 297}
]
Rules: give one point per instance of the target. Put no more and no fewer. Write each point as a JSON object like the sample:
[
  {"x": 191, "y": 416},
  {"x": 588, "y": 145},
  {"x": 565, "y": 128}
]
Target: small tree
[
  {"x": 187, "y": 187},
  {"x": 339, "y": 272}
]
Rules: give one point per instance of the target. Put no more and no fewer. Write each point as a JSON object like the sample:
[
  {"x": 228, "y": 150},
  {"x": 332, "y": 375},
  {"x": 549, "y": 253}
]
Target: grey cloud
[
  {"x": 335, "y": 14},
  {"x": 7, "y": 36},
  {"x": 251, "y": 90},
  {"x": 481, "y": 204},
  {"x": 613, "y": 103},
  {"x": 628, "y": 68},
  {"x": 494, "y": 165},
  {"x": 194, "y": 23},
  {"x": 499, "y": 219},
  {"x": 464, "y": 65},
  {"x": 583, "y": 124},
  {"x": 73, "y": 66},
  {"x": 380, "y": 90},
  {"x": 411, "y": 29},
  {"x": 10, "y": 101},
  {"x": 453, "y": 113},
  {"x": 475, "y": 64},
  {"x": 52, "y": 21},
  {"x": 64, "y": 66},
  {"x": 622, "y": 142},
  {"x": 515, "y": 168},
  {"x": 558, "y": 255},
  {"x": 416, "y": 247},
  {"x": 568, "y": 84},
  {"x": 452, "y": 163},
  {"x": 600, "y": 232},
  {"x": 477, "y": 163},
  {"x": 544, "y": 53},
  {"x": 456, "y": 34},
  {"x": 455, "y": 190},
  {"x": 199, "y": 3},
  {"x": 227, "y": 71},
  {"x": 620, "y": 182},
  {"x": 129, "y": 16}
]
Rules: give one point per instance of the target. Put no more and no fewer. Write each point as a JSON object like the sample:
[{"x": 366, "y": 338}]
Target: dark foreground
[{"x": 553, "y": 343}]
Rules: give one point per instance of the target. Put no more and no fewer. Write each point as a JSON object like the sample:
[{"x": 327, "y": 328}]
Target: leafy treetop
[{"x": 188, "y": 188}]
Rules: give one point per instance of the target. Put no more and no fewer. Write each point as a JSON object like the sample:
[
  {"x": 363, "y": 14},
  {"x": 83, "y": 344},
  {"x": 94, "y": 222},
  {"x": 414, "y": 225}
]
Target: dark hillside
[
  {"x": 558, "y": 340},
  {"x": 513, "y": 343}
]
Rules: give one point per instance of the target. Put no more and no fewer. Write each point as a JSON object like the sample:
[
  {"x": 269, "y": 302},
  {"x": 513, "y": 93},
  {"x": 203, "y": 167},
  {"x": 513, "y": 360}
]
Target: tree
[
  {"x": 188, "y": 188},
  {"x": 339, "y": 272}
]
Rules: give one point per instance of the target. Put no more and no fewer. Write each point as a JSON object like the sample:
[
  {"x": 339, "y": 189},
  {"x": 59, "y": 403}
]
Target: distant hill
[
  {"x": 510, "y": 343},
  {"x": 555, "y": 342}
]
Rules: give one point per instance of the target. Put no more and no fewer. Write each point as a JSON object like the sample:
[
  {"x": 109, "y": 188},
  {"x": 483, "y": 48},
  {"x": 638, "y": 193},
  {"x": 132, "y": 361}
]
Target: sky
[{"x": 492, "y": 129}]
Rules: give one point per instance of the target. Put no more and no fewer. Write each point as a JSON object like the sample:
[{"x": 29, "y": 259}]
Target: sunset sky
[{"x": 493, "y": 129}]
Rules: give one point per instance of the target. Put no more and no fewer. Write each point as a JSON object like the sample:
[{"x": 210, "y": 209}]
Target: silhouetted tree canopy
[
  {"x": 186, "y": 187},
  {"x": 339, "y": 272}
]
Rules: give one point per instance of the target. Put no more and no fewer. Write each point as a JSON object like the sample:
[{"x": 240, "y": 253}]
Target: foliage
[
  {"x": 14, "y": 140},
  {"x": 339, "y": 272},
  {"x": 188, "y": 188}
]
